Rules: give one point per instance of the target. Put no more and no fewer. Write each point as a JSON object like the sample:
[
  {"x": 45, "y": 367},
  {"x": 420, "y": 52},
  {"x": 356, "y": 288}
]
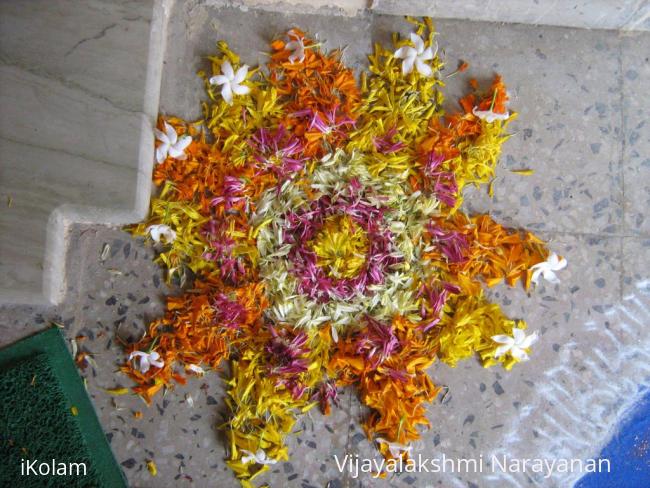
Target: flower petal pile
[{"x": 314, "y": 225}]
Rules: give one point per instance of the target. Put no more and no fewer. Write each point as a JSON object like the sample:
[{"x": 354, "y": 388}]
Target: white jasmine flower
[
  {"x": 231, "y": 81},
  {"x": 547, "y": 269},
  {"x": 416, "y": 56},
  {"x": 189, "y": 400},
  {"x": 161, "y": 230},
  {"x": 170, "y": 144},
  {"x": 259, "y": 457},
  {"x": 146, "y": 360},
  {"x": 296, "y": 46},
  {"x": 396, "y": 449},
  {"x": 489, "y": 115},
  {"x": 195, "y": 369},
  {"x": 515, "y": 345}
]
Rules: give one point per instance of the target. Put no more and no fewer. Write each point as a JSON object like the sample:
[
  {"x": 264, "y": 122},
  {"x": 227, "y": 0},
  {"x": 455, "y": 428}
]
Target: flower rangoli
[{"x": 313, "y": 221}]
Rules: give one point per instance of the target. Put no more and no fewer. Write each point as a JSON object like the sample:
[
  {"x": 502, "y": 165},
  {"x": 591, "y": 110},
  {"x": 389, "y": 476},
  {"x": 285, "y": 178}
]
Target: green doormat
[{"x": 49, "y": 433}]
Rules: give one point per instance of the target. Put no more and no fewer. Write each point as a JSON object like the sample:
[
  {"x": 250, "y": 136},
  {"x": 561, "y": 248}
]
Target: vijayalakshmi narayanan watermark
[{"x": 355, "y": 465}]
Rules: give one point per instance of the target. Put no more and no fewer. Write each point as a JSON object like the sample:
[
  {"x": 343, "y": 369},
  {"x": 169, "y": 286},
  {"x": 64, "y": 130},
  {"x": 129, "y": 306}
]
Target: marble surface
[
  {"x": 582, "y": 103},
  {"x": 79, "y": 93}
]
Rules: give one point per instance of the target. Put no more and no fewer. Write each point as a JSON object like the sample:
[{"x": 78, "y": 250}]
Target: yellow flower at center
[{"x": 340, "y": 246}]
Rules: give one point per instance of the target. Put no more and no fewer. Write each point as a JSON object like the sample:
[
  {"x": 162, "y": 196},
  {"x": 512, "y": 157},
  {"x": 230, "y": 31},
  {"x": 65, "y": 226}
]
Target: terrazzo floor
[{"x": 582, "y": 103}]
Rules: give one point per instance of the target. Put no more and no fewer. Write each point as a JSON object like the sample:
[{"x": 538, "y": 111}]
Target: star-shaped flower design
[{"x": 321, "y": 223}]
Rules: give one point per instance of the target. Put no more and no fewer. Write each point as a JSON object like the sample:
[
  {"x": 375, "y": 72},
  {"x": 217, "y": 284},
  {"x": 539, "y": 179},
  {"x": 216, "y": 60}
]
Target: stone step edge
[{"x": 54, "y": 284}]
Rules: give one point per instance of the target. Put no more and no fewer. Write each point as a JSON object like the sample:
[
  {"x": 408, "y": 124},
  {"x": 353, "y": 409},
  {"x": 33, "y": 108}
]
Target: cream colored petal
[
  {"x": 154, "y": 232},
  {"x": 559, "y": 263},
  {"x": 417, "y": 42},
  {"x": 184, "y": 142},
  {"x": 407, "y": 65},
  {"x": 423, "y": 68},
  {"x": 405, "y": 52},
  {"x": 161, "y": 152},
  {"x": 175, "y": 152},
  {"x": 249, "y": 456},
  {"x": 241, "y": 74},
  {"x": 240, "y": 89},
  {"x": 518, "y": 335},
  {"x": 535, "y": 276},
  {"x": 218, "y": 80},
  {"x": 226, "y": 93},
  {"x": 171, "y": 133},
  {"x": 489, "y": 115},
  {"x": 428, "y": 53},
  {"x": 528, "y": 341},
  {"x": 226, "y": 69},
  {"x": 158, "y": 363},
  {"x": 503, "y": 339},
  {"x": 144, "y": 365},
  {"x": 160, "y": 135},
  {"x": 501, "y": 350},
  {"x": 519, "y": 354}
]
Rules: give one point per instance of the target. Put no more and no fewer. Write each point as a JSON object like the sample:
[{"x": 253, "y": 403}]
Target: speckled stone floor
[{"x": 583, "y": 105}]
